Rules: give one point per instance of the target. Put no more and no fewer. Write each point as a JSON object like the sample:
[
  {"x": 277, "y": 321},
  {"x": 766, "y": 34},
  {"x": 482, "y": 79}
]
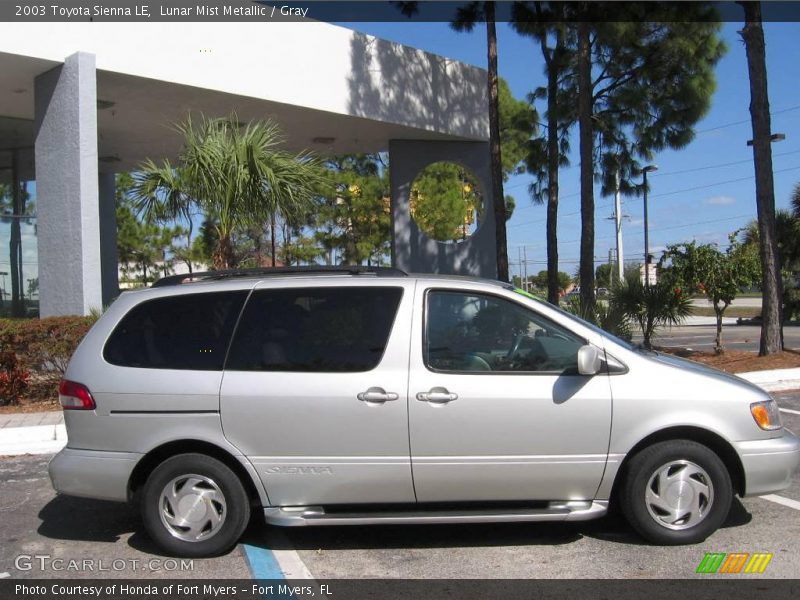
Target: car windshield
[{"x": 585, "y": 323}]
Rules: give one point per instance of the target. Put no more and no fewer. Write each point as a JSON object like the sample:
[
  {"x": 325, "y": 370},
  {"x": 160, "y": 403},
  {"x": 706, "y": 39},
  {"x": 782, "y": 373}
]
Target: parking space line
[
  {"x": 262, "y": 563},
  {"x": 783, "y": 501},
  {"x": 270, "y": 563},
  {"x": 289, "y": 560},
  {"x": 790, "y": 411}
]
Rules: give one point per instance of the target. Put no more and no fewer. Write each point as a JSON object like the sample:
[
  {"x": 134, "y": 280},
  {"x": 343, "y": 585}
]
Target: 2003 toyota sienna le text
[{"x": 370, "y": 396}]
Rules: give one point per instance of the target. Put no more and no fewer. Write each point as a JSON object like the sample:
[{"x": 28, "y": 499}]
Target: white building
[{"x": 81, "y": 101}]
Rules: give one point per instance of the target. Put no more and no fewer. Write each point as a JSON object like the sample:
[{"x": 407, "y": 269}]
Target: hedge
[{"x": 36, "y": 354}]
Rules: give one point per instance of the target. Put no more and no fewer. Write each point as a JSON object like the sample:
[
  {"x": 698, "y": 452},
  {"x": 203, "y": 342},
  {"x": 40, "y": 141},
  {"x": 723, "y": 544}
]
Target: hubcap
[
  {"x": 192, "y": 508},
  {"x": 679, "y": 495}
]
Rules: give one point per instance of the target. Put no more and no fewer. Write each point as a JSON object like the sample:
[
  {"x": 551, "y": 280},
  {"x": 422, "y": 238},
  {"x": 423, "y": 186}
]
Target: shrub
[
  {"x": 13, "y": 379},
  {"x": 606, "y": 315},
  {"x": 43, "y": 347},
  {"x": 651, "y": 307}
]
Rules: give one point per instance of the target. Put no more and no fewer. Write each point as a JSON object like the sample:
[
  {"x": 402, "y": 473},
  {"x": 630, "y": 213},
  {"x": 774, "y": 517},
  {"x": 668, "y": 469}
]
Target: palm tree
[
  {"x": 162, "y": 194},
  {"x": 753, "y": 36},
  {"x": 237, "y": 175},
  {"x": 546, "y": 155}
]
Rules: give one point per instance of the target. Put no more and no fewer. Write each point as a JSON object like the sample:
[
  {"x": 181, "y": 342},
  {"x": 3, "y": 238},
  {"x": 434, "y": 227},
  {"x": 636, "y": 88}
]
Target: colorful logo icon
[{"x": 734, "y": 562}]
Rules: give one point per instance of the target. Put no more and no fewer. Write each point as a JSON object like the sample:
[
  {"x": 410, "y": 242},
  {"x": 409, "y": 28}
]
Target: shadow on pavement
[
  {"x": 69, "y": 518},
  {"x": 80, "y": 519}
]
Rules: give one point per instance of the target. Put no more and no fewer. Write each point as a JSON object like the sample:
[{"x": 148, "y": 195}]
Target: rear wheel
[
  {"x": 194, "y": 506},
  {"x": 676, "y": 492}
]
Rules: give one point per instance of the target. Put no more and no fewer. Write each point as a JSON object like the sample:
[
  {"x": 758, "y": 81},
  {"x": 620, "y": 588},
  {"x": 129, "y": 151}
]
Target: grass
[{"x": 745, "y": 312}]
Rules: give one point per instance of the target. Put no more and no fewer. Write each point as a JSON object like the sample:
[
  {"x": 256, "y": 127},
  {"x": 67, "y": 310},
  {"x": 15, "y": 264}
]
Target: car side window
[
  {"x": 189, "y": 331},
  {"x": 469, "y": 332},
  {"x": 323, "y": 330}
]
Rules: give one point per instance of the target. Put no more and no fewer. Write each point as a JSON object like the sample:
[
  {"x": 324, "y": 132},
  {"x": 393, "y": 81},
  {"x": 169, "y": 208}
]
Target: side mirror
[{"x": 589, "y": 360}]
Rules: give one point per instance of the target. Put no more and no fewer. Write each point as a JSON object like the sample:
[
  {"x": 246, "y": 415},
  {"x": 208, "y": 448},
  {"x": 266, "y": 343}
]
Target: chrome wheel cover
[
  {"x": 192, "y": 508},
  {"x": 679, "y": 495}
]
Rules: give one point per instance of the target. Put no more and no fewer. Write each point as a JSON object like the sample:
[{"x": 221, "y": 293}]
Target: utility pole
[
  {"x": 525, "y": 258},
  {"x": 618, "y": 225}
]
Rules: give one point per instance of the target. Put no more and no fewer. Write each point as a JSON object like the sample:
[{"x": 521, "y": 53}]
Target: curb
[
  {"x": 49, "y": 439},
  {"x": 36, "y": 439},
  {"x": 774, "y": 380}
]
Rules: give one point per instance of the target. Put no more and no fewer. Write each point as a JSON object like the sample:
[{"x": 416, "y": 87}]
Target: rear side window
[
  {"x": 178, "y": 332},
  {"x": 324, "y": 330}
]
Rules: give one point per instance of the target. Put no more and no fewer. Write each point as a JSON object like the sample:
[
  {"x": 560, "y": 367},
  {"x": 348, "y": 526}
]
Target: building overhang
[{"x": 331, "y": 90}]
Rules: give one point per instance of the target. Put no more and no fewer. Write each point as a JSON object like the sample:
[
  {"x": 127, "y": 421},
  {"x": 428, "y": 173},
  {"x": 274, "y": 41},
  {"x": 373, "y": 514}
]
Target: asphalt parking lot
[{"x": 41, "y": 533}]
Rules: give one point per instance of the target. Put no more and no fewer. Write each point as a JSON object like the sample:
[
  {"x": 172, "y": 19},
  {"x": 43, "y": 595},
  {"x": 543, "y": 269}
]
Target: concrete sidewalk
[
  {"x": 44, "y": 432},
  {"x": 32, "y": 433}
]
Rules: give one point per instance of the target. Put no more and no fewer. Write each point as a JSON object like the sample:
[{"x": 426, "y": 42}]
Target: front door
[
  {"x": 315, "y": 392},
  {"x": 497, "y": 409}
]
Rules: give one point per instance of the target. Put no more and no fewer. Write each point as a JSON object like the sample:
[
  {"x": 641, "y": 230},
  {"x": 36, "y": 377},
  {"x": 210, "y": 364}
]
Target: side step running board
[{"x": 298, "y": 516}]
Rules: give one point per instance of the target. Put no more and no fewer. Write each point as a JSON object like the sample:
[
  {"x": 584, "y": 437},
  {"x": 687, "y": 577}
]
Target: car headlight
[{"x": 766, "y": 414}]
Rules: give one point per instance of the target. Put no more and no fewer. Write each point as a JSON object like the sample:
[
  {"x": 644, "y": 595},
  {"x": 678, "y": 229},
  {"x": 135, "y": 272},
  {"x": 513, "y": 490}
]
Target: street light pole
[{"x": 645, "y": 171}]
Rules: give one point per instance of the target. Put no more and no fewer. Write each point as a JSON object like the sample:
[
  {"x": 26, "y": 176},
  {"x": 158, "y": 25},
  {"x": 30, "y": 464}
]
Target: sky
[{"x": 702, "y": 192}]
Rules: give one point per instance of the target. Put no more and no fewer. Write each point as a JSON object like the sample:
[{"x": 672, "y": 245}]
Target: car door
[
  {"x": 497, "y": 410},
  {"x": 315, "y": 391}
]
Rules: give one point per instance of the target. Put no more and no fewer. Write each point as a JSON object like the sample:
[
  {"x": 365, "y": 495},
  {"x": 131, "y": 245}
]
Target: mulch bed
[{"x": 738, "y": 361}]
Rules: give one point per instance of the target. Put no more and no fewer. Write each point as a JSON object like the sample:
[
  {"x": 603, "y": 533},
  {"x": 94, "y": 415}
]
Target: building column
[
  {"x": 67, "y": 188},
  {"x": 109, "y": 258},
  {"x": 412, "y": 250}
]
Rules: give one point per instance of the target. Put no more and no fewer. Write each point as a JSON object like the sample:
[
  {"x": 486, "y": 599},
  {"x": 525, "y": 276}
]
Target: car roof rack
[{"x": 278, "y": 271}]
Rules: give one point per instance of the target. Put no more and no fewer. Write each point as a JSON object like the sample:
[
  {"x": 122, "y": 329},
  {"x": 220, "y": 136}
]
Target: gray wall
[
  {"x": 412, "y": 250},
  {"x": 67, "y": 188}
]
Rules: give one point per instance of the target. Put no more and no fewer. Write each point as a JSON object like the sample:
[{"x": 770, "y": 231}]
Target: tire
[
  {"x": 194, "y": 506},
  {"x": 676, "y": 492}
]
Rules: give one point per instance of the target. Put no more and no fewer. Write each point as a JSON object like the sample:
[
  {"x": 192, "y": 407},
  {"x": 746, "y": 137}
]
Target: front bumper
[
  {"x": 769, "y": 464},
  {"x": 92, "y": 473}
]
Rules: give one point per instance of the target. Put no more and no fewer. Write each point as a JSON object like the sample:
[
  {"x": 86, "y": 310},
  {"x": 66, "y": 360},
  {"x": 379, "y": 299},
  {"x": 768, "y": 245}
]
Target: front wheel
[
  {"x": 676, "y": 492},
  {"x": 194, "y": 506}
]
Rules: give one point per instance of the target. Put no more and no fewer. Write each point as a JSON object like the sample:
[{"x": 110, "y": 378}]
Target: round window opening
[{"x": 446, "y": 202}]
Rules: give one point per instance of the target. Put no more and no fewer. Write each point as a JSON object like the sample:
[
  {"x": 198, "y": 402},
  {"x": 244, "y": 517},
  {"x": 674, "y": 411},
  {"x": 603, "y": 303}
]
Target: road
[
  {"x": 734, "y": 337},
  {"x": 36, "y": 523}
]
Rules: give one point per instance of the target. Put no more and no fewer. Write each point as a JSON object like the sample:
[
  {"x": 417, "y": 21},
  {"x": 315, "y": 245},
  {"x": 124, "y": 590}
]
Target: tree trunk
[
  {"x": 718, "y": 348},
  {"x": 552, "y": 172},
  {"x": 189, "y": 245},
  {"x": 272, "y": 236},
  {"x": 753, "y": 36},
  {"x": 586, "y": 274},
  {"x": 498, "y": 200},
  {"x": 223, "y": 256}
]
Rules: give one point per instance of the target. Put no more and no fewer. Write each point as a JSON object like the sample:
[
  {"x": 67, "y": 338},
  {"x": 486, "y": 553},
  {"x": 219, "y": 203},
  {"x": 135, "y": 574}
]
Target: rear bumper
[
  {"x": 769, "y": 464},
  {"x": 92, "y": 473}
]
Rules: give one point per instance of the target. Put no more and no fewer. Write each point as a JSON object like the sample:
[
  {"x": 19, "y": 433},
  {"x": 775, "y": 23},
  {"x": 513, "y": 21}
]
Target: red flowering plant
[{"x": 13, "y": 379}]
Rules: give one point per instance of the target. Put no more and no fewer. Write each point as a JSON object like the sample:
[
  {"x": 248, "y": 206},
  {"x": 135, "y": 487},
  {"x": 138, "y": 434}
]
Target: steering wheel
[{"x": 515, "y": 347}]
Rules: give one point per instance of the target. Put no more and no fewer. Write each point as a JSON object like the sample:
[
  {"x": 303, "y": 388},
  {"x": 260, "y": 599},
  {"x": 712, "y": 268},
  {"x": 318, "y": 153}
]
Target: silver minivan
[{"x": 363, "y": 396}]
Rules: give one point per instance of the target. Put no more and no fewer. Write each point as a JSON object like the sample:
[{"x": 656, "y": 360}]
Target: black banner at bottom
[{"x": 729, "y": 588}]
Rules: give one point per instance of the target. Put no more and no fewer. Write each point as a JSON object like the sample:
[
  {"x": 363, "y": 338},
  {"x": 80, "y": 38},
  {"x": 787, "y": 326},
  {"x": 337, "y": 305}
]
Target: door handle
[
  {"x": 437, "y": 395},
  {"x": 377, "y": 395}
]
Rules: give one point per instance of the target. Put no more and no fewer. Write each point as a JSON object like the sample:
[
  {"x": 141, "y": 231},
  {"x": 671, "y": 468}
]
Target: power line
[
  {"x": 699, "y": 131},
  {"x": 702, "y": 187},
  {"x": 773, "y": 113},
  {"x": 636, "y": 235},
  {"x": 718, "y": 166}
]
